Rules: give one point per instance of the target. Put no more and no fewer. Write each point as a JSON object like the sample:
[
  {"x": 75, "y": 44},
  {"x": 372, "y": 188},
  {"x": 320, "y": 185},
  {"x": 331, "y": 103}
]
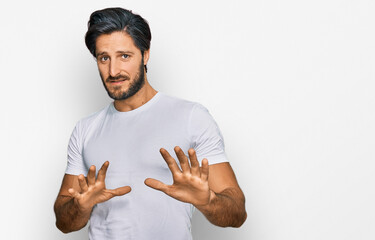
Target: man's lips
[{"x": 116, "y": 81}]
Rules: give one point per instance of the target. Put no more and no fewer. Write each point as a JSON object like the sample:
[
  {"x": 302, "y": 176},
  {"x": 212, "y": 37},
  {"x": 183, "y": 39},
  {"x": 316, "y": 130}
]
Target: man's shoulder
[
  {"x": 178, "y": 103},
  {"x": 93, "y": 117}
]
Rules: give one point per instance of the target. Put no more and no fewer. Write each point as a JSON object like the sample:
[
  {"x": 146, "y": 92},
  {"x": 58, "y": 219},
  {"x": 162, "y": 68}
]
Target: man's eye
[
  {"x": 103, "y": 59},
  {"x": 125, "y": 56}
]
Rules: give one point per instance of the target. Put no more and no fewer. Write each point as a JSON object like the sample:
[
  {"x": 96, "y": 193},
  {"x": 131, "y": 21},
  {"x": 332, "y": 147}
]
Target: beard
[{"x": 116, "y": 93}]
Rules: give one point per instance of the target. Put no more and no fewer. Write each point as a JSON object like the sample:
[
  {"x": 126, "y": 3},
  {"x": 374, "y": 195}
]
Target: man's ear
[{"x": 146, "y": 56}]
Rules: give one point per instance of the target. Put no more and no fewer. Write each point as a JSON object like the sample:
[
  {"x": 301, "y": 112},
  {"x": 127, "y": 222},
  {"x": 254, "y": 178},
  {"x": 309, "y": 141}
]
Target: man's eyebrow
[
  {"x": 125, "y": 52},
  {"x": 101, "y": 53},
  {"x": 121, "y": 52}
]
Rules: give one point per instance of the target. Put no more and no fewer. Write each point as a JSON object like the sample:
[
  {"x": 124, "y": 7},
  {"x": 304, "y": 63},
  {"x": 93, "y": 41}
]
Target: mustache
[{"x": 118, "y": 77}]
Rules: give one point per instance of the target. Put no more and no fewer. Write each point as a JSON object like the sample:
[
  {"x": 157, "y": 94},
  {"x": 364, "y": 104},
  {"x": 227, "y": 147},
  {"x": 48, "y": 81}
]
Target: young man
[{"x": 145, "y": 193}]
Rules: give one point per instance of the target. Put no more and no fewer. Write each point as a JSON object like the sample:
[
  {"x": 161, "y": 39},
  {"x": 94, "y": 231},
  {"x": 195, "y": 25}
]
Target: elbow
[
  {"x": 60, "y": 223},
  {"x": 241, "y": 220},
  {"x": 241, "y": 214},
  {"x": 67, "y": 228},
  {"x": 236, "y": 220},
  {"x": 62, "y": 227}
]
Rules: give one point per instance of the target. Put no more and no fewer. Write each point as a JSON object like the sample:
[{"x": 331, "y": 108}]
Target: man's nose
[{"x": 114, "y": 68}]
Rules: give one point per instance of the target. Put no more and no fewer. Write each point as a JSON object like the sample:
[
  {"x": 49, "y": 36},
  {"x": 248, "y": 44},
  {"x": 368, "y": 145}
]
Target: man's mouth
[
  {"x": 120, "y": 80},
  {"x": 117, "y": 80}
]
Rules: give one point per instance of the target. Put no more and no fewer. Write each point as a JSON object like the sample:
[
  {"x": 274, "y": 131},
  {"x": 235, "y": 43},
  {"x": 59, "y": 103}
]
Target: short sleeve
[
  {"x": 206, "y": 137},
  {"x": 75, "y": 165}
]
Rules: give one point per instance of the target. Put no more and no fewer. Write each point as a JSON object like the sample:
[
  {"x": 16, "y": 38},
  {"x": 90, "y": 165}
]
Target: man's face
[{"x": 120, "y": 64}]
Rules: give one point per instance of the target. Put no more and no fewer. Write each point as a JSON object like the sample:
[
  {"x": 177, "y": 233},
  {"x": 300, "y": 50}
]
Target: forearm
[
  {"x": 69, "y": 217},
  {"x": 226, "y": 209}
]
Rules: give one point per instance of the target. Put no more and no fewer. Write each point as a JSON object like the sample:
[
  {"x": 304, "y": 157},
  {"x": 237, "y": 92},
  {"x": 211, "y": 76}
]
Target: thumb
[
  {"x": 156, "y": 184},
  {"x": 121, "y": 191}
]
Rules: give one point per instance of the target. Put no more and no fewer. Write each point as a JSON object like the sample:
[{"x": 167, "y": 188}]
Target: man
[{"x": 142, "y": 195}]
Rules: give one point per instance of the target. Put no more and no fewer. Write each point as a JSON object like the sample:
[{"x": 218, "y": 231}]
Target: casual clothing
[{"x": 130, "y": 141}]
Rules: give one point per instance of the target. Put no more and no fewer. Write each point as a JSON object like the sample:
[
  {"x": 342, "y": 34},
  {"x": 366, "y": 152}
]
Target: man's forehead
[{"x": 114, "y": 42}]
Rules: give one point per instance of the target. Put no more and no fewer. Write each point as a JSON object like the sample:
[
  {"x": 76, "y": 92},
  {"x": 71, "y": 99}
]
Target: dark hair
[{"x": 110, "y": 20}]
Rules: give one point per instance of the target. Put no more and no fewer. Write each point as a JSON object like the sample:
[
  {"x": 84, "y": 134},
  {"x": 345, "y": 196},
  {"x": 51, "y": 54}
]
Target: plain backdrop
[{"x": 290, "y": 83}]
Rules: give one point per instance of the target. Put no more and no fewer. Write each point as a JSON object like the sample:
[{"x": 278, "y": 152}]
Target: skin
[{"x": 212, "y": 189}]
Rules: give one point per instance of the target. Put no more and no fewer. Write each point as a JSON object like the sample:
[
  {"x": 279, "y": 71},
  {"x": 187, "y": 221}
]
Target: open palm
[
  {"x": 190, "y": 183},
  {"x": 93, "y": 191}
]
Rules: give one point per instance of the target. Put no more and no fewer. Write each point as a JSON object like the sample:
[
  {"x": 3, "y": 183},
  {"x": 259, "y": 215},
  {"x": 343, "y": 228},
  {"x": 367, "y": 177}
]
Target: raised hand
[
  {"x": 93, "y": 191},
  {"x": 190, "y": 183}
]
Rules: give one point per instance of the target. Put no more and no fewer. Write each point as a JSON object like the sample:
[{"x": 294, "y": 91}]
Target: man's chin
[
  {"x": 115, "y": 94},
  {"x": 117, "y": 97}
]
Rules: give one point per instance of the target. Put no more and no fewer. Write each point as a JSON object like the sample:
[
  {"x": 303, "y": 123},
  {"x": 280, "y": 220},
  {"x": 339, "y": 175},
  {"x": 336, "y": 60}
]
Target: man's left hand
[{"x": 190, "y": 183}]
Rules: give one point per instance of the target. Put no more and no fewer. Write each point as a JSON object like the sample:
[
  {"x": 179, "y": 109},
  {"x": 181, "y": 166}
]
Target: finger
[
  {"x": 73, "y": 193},
  {"x": 184, "y": 163},
  {"x": 204, "y": 170},
  {"x": 194, "y": 163},
  {"x": 172, "y": 165},
  {"x": 82, "y": 183},
  {"x": 120, "y": 191},
  {"x": 91, "y": 175},
  {"x": 156, "y": 184},
  {"x": 103, "y": 172}
]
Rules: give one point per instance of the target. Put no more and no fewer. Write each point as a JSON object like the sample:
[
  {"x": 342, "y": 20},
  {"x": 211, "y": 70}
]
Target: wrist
[
  {"x": 83, "y": 209},
  {"x": 206, "y": 206}
]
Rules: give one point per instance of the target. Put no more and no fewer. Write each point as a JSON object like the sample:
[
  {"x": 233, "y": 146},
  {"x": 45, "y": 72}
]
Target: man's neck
[{"x": 141, "y": 97}]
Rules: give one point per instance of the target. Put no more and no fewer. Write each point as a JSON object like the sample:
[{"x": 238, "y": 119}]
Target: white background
[{"x": 290, "y": 83}]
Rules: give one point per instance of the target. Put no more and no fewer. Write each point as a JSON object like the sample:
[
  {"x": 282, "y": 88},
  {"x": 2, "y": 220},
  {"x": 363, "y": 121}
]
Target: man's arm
[
  {"x": 211, "y": 189},
  {"x": 69, "y": 217},
  {"x": 79, "y": 195},
  {"x": 227, "y": 201}
]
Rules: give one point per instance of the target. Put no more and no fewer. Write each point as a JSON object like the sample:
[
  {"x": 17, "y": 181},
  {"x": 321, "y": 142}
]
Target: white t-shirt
[{"x": 130, "y": 141}]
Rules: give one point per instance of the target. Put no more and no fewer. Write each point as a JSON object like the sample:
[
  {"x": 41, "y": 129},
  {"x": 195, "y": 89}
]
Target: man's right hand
[
  {"x": 78, "y": 195},
  {"x": 93, "y": 191}
]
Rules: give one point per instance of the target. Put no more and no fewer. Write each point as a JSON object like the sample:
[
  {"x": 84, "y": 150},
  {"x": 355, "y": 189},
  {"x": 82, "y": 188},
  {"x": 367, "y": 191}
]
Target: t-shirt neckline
[{"x": 137, "y": 110}]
